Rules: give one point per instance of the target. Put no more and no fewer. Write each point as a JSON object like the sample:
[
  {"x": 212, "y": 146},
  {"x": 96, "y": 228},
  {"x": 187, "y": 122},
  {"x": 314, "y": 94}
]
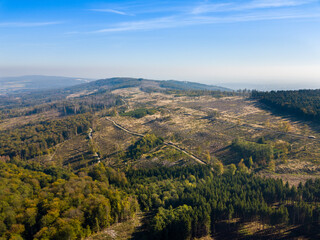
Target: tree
[
  {"x": 272, "y": 166},
  {"x": 242, "y": 167},
  {"x": 218, "y": 167},
  {"x": 208, "y": 156},
  {"x": 249, "y": 162},
  {"x": 262, "y": 140},
  {"x": 232, "y": 169}
]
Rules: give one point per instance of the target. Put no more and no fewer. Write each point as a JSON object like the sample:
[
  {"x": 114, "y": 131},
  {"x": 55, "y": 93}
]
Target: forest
[
  {"x": 200, "y": 200},
  {"x": 37, "y": 203},
  {"x": 301, "y": 103},
  {"x": 186, "y": 202}
]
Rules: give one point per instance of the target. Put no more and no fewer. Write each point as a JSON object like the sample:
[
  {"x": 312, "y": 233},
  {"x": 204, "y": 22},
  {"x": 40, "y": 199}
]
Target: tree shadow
[
  {"x": 141, "y": 232},
  {"x": 312, "y": 124}
]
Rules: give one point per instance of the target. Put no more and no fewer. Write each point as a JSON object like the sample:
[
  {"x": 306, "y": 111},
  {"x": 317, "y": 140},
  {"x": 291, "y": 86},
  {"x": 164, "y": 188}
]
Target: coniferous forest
[{"x": 302, "y": 103}]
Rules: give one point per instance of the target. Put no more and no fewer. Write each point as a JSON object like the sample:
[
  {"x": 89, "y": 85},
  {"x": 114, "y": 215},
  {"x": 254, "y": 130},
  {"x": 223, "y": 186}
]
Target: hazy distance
[{"x": 264, "y": 44}]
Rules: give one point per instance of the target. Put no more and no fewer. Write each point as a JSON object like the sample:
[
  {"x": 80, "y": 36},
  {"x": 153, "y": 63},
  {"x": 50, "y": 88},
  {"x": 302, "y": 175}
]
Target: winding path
[
  {"x": 185, "y": 152},
  {"x": 170, "y": 144},
  {"x": 124, "y": 129}
]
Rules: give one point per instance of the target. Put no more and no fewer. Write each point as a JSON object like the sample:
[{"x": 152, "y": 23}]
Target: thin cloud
[
  {"x": 111, "y": 11},
  {"x": 141, "y": 25},
  {"x": 255, "y": 17},
  {"x": 252, "y": 5},
  {"x": 27, "y": 24},
  {"x": 278, "y": 3},
  {"x": 253, "y": 10},
  {"x": 182, "y": 21}
]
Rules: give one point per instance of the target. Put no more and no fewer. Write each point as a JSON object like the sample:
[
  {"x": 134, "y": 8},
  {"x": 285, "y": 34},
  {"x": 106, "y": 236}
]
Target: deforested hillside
[
  {"x": 31, "y": 97},
  {"x": 128, "y": 158}
]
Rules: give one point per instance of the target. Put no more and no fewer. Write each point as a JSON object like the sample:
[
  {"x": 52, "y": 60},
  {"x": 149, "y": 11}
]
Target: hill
[
  {"x": 18, "y": 97},
  {"x": 117, "y": 83},
  {"x": 38, "y": 82}
]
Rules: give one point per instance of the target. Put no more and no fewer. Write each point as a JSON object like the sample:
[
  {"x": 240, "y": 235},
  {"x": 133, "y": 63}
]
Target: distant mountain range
[{"x": 37, "y": 82}]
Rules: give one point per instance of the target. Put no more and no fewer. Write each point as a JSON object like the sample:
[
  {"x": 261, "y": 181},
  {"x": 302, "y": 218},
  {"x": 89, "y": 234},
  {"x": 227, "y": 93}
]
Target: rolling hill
[{"x": 38, "y": 82}]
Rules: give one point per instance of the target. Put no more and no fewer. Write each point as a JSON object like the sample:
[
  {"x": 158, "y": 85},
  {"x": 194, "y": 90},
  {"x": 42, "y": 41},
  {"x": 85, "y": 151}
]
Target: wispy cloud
[
  {"x": 141, "y": 25},
  {"x": 27, "y": 24},
  {"x": 255, "y": 17},
  {"x": 278, "y": 3},
  {"x": 111, "y": 11},
  {"x": 172, "y": 22},
  {"x": 208, "y": 13},
  {"x": 251, "y": 5}
]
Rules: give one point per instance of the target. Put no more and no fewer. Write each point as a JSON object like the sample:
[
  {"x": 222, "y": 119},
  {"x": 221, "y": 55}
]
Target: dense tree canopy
[
  {"x": 302, "y": 103},
  {"x": 36, "y": 205},
  {"x": 190, "y": 201},
  {"x": 259, "y": 153}
]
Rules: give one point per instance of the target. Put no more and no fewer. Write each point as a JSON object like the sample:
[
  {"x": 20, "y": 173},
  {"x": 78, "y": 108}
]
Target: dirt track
[{"x": 171, "y": 144}]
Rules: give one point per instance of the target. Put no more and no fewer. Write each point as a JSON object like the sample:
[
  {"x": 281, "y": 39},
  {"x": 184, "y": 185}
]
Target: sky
[{"x": 216, "y": 42}]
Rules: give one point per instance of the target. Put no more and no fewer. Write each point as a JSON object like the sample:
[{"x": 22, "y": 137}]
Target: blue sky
[{"x": 253, "y": 41}]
